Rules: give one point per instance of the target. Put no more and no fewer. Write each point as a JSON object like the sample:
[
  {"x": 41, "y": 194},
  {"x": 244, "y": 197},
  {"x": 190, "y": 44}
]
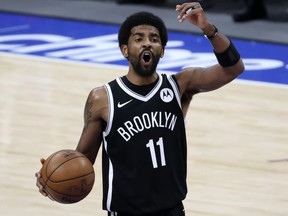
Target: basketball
[{"x": 67, "y": 176}]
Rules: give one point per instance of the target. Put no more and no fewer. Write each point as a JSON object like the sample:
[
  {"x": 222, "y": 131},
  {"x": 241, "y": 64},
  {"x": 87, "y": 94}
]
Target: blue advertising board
[{"x": 97, "y": 43}]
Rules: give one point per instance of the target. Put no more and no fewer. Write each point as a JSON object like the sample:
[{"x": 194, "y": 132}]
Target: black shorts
[{"x": 177, "y": 210}]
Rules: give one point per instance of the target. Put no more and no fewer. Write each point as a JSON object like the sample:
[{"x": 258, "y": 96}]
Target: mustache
[{"x": 147, "y": 50}]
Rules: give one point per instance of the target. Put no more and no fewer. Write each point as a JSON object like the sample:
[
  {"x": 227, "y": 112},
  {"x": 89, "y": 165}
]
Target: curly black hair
[{"x": 142, "y": 18}]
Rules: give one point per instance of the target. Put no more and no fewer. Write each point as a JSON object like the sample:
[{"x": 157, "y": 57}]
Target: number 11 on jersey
[{"x": 151, "y": 146}]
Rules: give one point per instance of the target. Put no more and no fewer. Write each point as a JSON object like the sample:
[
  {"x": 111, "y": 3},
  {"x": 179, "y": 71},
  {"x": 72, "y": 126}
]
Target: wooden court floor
[{"x": 237, "y": 135}]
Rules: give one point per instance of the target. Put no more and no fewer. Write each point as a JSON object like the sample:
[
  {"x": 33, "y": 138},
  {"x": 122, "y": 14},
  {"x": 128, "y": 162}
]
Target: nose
[{"x": 147, "y": 43}]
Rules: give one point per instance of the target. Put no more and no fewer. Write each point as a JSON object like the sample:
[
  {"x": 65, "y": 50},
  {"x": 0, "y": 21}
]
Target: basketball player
[{"x": 139, "y": 117}]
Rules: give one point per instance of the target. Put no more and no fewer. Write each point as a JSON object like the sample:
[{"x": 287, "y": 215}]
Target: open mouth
[{"x": 146, "y": 56}]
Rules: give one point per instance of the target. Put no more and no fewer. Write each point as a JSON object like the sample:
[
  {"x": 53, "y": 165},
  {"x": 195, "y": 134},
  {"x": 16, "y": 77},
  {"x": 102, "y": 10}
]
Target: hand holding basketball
[
  {"x": 38, "y": 176},
  {"x": 66, "y": 176}
]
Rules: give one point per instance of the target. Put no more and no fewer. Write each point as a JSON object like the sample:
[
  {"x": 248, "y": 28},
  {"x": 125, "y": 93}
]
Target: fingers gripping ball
[{"x": 67, "y": 176}]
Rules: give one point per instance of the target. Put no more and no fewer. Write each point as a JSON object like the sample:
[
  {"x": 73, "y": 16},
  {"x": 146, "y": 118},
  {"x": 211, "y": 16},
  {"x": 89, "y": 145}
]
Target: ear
[
  {"x": 162, "y": 53},
  {"x": 124, "y": 50}
]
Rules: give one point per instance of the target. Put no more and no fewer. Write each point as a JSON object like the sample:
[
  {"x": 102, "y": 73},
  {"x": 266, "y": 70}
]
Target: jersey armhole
[
  {"x": 110, "y": 109},
  {"x": 173, "y": 81}
]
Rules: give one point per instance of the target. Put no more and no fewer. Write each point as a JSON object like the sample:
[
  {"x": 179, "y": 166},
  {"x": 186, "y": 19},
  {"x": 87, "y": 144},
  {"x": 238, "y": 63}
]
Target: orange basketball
[{"x": 67, "y": 176}]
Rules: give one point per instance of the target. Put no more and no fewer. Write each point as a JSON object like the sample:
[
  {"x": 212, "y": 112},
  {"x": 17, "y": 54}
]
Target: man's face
[{"x": 144, "y": 49}]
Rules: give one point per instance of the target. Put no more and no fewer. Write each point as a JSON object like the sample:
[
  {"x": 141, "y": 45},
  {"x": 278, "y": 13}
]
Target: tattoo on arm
[{"x": 87, "y": 114}]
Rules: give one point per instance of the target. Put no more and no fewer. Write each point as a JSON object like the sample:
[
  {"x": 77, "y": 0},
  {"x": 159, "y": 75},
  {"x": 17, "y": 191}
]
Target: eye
[
  {"x": 155, "y": 40},
  {"x": 138, "y": 39}
]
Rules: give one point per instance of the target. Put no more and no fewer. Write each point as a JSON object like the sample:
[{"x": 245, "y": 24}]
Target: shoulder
[
  {"x": 97, "y": 94},
  {"x": 97, "y": 102}
]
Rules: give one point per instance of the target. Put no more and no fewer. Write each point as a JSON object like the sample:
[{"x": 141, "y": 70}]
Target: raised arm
[{"x": 193, "y": 80}]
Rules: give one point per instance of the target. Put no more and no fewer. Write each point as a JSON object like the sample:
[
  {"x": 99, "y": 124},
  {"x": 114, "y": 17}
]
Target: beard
[{"x": 145, "y": 71}]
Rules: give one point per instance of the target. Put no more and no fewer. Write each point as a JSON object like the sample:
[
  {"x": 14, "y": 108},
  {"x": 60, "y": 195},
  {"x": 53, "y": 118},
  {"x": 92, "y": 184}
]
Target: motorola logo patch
[{"x": 166, "y": 95}]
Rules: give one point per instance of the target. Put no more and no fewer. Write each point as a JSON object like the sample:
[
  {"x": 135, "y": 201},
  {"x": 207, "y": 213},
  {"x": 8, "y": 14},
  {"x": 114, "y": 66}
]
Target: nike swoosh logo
[{"x": 119, "y": 105}]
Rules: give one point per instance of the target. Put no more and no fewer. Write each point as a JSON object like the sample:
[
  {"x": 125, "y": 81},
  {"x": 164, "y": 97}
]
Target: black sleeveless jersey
[{"x": 144, "y": 148}]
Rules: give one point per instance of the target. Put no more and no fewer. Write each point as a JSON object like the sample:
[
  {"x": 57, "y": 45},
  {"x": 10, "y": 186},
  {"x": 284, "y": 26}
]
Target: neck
[{"x": 140, "y": 80}]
